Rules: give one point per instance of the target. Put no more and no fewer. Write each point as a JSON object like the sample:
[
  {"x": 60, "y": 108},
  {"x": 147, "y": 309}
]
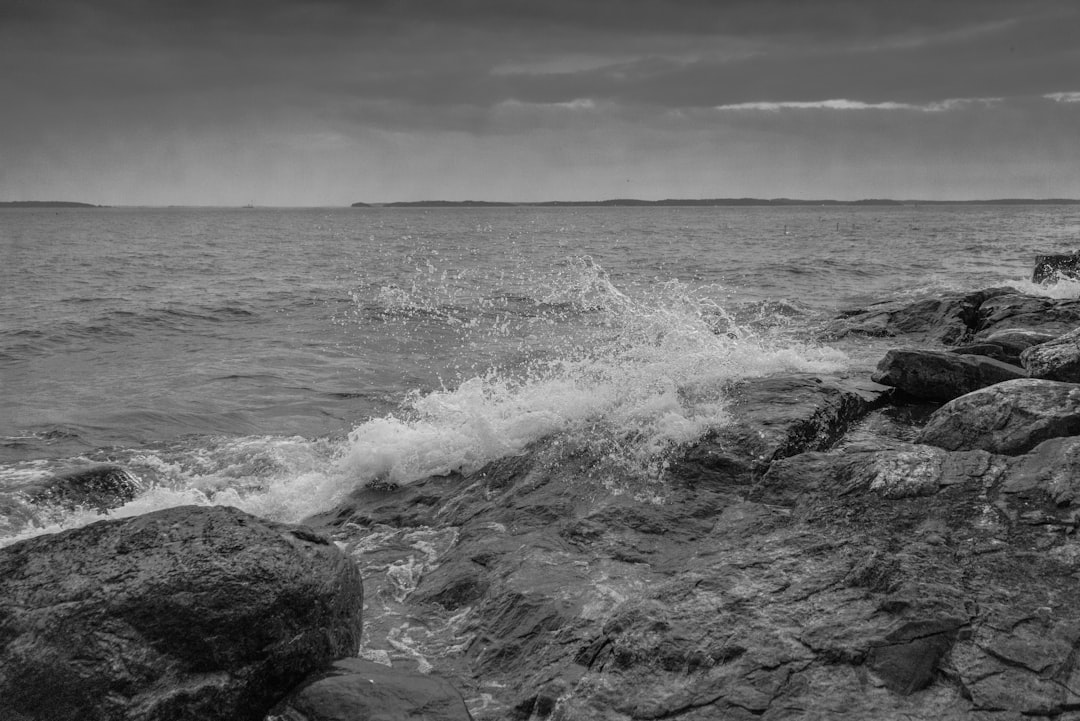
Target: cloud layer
[{"x": 327, "y": 101}]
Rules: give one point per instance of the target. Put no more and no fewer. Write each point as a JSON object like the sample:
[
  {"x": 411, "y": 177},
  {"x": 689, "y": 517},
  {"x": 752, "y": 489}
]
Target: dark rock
[
  {"x": 1020, "y": 311},
  {"x": 775, "y": 417},
  {"x": 1014, "y": 341},
  {"x": 877, "y": 579},
  {"x": 1051, "y": 268},
  {"x": 960, "y": 318},
  {"x": 941, "y": 376},
  {"x": 907, "y": 659},
  {"x": 355, "y": 689},
  {"x": 990, "y": 350},
  {"x": 184, "y": 613},
  {"x": 951, "y": 319},
  {"x": 1057, "y": 359},
  {"x": 98, "y": 487},
  {"x": 1009, "y": 418},
  {"x": 904, "y": 471},
  {"x": 1051, "y": 469}
]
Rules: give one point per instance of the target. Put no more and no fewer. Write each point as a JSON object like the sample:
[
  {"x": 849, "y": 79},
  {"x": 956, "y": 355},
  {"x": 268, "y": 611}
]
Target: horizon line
[{"x": 611, "y": 202}]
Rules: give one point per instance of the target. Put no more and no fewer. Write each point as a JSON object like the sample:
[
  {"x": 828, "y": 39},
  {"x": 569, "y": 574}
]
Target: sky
[{"x": 330, "y": 102}]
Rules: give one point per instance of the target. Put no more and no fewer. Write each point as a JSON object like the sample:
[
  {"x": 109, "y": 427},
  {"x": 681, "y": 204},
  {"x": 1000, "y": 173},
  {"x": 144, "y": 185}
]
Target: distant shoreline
[
  {"x": 613, "y": 203},
  {"x": 710, "y": 202},
  {"x": 44, "y": 204}
]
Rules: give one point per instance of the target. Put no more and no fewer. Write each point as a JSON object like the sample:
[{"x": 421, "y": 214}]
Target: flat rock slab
[
  {"x": 1028, "y": 312},
  {"x": 1008, "y": 418},
  {"x": 941, "y": 376},
  {"x": 190, "y": 612},
  {"x": 958, "y": 318},
  {"x": 950, "y": 319},
  {"x": 355, "y": 689}
]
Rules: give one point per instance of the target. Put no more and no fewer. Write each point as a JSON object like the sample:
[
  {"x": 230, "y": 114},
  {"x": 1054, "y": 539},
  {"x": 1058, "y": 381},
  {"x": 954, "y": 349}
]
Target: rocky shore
[{"x": 901, "y": 546}]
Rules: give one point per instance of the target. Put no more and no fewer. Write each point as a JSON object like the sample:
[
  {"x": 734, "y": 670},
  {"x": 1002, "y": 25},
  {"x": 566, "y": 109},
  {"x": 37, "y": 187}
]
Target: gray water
[{"x": 275, "y": 358}]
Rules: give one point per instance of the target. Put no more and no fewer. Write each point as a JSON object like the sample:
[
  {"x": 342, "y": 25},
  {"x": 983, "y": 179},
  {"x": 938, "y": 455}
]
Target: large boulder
[
  {"x": 355, "y": 689},
  {"x": 185, "y": 613},
  {"x": 941, "y": 376},
  {"x": 1008, "y": 418},
  {"x": 1057, "y": 359}
]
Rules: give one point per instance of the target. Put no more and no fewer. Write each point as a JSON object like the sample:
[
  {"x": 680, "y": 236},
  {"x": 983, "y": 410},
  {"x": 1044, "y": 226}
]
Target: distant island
[
  {"x": 708, "y": 202},
  {"x": 44, "y": 204}
]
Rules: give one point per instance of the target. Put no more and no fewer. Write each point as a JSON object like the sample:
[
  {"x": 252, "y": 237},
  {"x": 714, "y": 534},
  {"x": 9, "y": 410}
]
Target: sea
[{"x": 276, "y": 359}]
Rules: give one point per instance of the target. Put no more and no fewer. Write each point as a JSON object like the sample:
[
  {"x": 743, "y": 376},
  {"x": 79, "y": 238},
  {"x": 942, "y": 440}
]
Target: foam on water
[
  {"x": 635, "y": 377},
  {"x": 1063, "y": 288},
  {"x": 652, "y": 378}
]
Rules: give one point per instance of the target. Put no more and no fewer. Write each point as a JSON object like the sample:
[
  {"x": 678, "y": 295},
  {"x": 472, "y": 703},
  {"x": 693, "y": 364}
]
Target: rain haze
[{"x": 299, "y": 102}]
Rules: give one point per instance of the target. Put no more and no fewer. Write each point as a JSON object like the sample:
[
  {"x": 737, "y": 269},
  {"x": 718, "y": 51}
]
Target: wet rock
[
  {"x": 990, "y": 350},
  {"x": 98, "y": 487},
  {"x": 883, "y": 580},
  {"x": 1009, "y": 418},
  {"x": 1052, "y": 469},
  {"x": 941, "y": 376},
  {"x": 907, "y": 658},
  {"x": 1010, "y": 311},
  {"x": 1014, "y": 341},
  {"x": 951, "y": 319},
  {"x": 1051, "y": 268},
  {"x": 775, "y": 417},
  {"x": 960, "y": 318},
  {"x": 355, "y": 689},
  {"x": 1057, "y": 359},
  {"x": 189, "y": 612},
  {"x": 904, "y": 471}
]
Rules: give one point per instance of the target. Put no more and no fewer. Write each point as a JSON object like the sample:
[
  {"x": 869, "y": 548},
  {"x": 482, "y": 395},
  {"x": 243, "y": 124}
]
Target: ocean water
[{"x": 276, "y": 359}]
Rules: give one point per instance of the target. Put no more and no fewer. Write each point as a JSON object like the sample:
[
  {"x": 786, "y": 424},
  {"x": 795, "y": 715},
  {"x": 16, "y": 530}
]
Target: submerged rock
[
  {"x": 355, "y": 689},
  {"x": 1009, "y": 418},
  {"x": 99, "y": 487},
  {"x": 1057, "y": 359},
  {"x": 941, "y": 376},
  {"x": 185, "y": 613}
]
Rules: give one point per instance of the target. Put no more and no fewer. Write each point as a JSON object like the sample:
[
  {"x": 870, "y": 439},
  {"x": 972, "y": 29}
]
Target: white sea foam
[
  {"x": 638, "y": 376},
  {"x": 652, "y": 378},
  {"x": 1061, "y": 289}
]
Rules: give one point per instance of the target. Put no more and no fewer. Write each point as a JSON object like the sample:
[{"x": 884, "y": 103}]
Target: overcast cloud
[{"x": 291, "y": 102}]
